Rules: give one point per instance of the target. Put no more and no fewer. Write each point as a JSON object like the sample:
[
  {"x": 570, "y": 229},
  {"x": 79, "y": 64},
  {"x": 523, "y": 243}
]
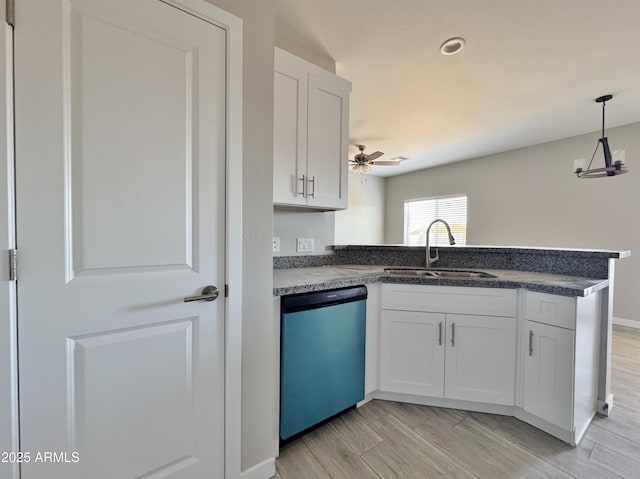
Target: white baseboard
[
  {"x": 264, "y": 470},
  {"x": 369, "y": 397},
  {"x": 629, "y": 323}
]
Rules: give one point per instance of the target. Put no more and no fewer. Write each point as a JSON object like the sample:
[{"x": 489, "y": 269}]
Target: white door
[
  {"x": 481, "y": 358},
  {"x": 412, "y": 353},
  {"x": 548, "y": 373},
  {"x": 120, "y": 150}
]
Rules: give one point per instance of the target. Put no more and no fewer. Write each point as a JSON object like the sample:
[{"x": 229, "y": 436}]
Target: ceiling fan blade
[
  {"x": 385, "y": 162},
  {"x": 374, "y": 155}
]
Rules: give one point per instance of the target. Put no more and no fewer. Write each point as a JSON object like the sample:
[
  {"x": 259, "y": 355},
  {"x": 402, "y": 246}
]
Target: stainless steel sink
[
  {"x": 439, "y": 273},
  {"x": 410, "y": 271},
  {"x": 462, "y": 274}
]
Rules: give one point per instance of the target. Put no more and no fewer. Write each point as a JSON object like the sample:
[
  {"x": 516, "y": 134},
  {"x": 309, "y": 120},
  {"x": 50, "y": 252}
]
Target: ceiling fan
[{"x": 362, "y": 162}]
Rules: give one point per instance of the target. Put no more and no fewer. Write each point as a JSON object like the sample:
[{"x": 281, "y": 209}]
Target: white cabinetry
[
  {"x": 412, "y": 353},
  {"x": 456, "y": 343},
  {"x": 548, "y": 373},
  {"x": 480, "y": 358},
  {"x": 311, "y": 135},
  {"x": 560, "y": 377}
]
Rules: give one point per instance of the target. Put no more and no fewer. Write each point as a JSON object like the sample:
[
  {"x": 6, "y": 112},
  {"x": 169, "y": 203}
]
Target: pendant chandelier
[{"x": 613, "y": 164}]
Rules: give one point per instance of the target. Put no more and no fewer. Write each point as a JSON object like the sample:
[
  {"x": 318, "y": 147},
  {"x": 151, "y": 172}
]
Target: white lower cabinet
[
  {"x": 548, "y": 373},
  {"x": 531, "y": 355},
  {"x": 412, "y": 353},
  {"x": 480, "y": 359},
  {"x": 561, "y": 342},
  {"x": 443, "y": 354}
]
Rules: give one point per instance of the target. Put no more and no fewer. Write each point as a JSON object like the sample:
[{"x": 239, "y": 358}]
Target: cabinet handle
[
  {"x": 530, "y": 343},
  {"x": 304, "y": 186},
  {"x": 440, "y": 333},
  {"x": 313, "y": 183},
  {"x": 453, "y": 334}
]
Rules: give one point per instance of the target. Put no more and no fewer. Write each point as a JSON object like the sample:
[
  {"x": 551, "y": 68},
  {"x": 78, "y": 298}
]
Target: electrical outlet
[
  {"x": 305, "y": 245},
  {"x": 276, "y": 244}
]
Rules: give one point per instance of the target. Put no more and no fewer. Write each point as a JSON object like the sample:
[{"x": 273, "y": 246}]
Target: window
[{"x": 418, "y": 214}]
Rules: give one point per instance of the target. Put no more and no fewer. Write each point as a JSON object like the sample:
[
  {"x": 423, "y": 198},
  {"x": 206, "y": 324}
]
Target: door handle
[
  {"x": 530, "y": 343},
  {"x": 453, "y": 334},
  {"x": 209, "y": 293},
  {"x": 303, "y": 193},
  {"x": 313, "y": 183}
]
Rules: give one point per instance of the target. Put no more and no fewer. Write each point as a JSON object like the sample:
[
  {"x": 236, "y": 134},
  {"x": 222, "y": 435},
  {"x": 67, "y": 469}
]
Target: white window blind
[{"x": 418, "y": 214}]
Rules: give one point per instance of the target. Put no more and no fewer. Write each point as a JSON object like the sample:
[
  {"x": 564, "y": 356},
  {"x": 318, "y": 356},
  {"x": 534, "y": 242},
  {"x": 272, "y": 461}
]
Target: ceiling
[{"x": 528, "y": 73}]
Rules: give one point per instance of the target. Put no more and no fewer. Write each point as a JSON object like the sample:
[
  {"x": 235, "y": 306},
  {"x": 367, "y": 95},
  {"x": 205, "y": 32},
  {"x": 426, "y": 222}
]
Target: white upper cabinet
[{"x": 311, "y": 135}]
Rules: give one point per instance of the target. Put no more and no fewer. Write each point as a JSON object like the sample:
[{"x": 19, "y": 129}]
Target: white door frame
[
  {"x": 233, "y": 269},
  {"x": 233, "y": 261},
  {"x": 9, "y": 440}
]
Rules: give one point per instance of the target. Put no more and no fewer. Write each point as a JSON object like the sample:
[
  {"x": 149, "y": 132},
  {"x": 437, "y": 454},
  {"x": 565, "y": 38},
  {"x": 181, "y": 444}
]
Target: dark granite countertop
[
  {"x": 302, "y": 280},
  {"x": 535, "y": 250}
]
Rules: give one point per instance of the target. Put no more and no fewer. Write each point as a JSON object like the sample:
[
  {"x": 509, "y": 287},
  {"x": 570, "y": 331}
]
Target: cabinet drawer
[
  {"x": 550, "y": 309},
  {"x": 450, "y": 299}
]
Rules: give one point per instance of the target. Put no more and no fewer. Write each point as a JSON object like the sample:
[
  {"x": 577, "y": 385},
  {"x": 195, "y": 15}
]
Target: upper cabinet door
[
  {"x": 289, "y": 132},
  {"x": 327, "y": 142},
  {"x": 311, "y": 135}
]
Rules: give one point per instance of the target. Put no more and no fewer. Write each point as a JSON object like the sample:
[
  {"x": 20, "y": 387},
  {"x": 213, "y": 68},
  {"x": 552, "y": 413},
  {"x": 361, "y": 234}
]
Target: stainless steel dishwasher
[{"x": 322, "y": 354}]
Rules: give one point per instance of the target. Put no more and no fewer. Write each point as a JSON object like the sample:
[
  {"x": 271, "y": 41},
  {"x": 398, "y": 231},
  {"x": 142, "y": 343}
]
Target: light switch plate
[{"x": 305, "y": 245}]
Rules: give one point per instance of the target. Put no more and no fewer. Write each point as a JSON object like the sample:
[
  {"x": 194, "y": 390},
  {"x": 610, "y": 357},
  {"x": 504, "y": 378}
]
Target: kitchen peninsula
[{"x": 551, "y": 309}]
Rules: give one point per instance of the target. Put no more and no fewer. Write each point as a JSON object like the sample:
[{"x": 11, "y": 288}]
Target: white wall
[
  {"x": 288, "y": 225},
  {"x": 259, "y": 341},
  {"x": 363, "y": 221},
  {"x": 530, "y": 197}
]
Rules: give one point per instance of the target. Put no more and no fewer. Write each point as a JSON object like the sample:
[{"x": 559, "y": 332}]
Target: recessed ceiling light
[{"x": 452, "y": 46}]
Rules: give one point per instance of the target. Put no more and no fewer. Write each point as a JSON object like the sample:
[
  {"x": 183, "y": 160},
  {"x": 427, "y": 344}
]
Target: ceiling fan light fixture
[
  {"x": 452, "y": 46},
  {"x": 613, "y": 164}
]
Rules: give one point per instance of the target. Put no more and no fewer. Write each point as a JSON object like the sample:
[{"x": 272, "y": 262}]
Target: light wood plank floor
[{"x": 392, "y": 440}]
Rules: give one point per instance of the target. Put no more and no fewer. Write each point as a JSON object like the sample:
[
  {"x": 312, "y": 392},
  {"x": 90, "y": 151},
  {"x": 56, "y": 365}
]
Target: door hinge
[
  {"x": 10, "y": 13},
  {"x": 226, "y": 290},
  {"x": 13, "y": 265}
]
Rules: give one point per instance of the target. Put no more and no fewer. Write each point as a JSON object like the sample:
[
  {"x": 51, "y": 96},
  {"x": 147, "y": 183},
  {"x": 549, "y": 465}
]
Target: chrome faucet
[{"x": 452, "y": 241}]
